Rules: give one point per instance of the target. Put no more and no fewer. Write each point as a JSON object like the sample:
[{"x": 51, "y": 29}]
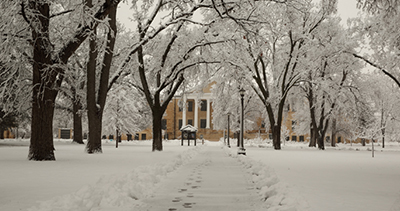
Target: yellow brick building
[{"x": 197, "y": 111}]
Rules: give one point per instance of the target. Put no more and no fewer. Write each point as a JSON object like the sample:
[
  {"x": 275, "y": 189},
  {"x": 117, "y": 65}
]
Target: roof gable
[{"x": 189, "y": 128}]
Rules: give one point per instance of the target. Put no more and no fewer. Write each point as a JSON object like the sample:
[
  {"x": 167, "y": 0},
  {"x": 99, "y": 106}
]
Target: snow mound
[
  {"x": 118, "y": 192},
  {"x": 277, "y": 195}
]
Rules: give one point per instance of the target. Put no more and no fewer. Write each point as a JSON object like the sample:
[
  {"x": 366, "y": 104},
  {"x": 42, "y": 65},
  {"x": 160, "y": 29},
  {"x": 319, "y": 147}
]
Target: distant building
[
  {"x": 197, "y": 112},
  {"x": 8, "y": 134}
]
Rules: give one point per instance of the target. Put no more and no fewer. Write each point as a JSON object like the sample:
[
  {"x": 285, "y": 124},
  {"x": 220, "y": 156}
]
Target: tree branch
[
  {"x": 81, "y": 34},
  {"x": 376, "y": 66},
  {"x": 62, "y": 13}
]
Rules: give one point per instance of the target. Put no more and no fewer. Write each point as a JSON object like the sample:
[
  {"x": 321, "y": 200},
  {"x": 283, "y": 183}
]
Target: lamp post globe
[{"x": 242, "y": 92}]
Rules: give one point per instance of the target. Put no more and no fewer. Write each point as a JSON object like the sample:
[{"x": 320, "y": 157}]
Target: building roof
[{"x": 189, "y": 128}]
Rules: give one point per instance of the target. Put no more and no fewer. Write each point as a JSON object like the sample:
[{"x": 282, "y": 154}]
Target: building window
[
  {"x": 190, "y": 105},
  {"x": 190, "y": 122},
  {"x": 137, "y": 136},
  {"x": 339, "y": 139},
  {"x": 164, "y": 124},
  {"x": 294, "y": 138},
  {"x": 181, "y": 105},
  {"x": 293, "y": 124},
  {"x": 203, "y": 123},
  {"x": 301, "y": 138},
  {"x": 180, "y": 124},
  {"x": 328, "y": 138},
  {"x": 143, "y": 136},
  {"x": 203, "y": 105},
  {"x": 262, "y": 124}
]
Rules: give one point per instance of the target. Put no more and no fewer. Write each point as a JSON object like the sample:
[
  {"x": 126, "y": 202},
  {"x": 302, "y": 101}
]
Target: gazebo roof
[{"x": 188, "y": 128}]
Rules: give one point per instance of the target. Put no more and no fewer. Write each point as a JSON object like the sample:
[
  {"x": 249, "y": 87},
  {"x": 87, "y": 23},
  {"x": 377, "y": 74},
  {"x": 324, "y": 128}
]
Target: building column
[
  {"x": 208, "y": 117},
  {"x": 196, "y": 114},
  {"x": 184, "y": 111}
]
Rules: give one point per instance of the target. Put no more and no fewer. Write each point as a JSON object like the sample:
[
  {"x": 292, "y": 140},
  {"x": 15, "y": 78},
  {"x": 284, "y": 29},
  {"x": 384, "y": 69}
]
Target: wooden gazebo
[{"x": 188, "y": 132}]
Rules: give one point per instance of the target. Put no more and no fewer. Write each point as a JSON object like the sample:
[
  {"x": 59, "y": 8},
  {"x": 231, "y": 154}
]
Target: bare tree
[
  {"x": 47, "y": 62},
  {"x": 96, "y": 99}
]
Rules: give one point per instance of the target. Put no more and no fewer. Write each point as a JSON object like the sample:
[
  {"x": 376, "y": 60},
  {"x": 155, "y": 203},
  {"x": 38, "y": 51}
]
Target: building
[
  {"x": 198, "y": 112},
  {"x": 8, "y": 134}
]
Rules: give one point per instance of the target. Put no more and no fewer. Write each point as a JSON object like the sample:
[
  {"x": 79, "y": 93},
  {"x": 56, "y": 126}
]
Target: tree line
[{"x": 74, "y": 56}]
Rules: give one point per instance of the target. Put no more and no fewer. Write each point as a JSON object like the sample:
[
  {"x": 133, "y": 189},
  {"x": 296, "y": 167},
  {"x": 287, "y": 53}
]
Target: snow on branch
[{"x": 376, "y": 66}]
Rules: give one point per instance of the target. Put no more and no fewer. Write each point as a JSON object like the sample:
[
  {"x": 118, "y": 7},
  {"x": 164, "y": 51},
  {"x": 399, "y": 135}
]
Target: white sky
[
  {"x": 123, "y": 15},
  {"x": 346, "y": 9}
]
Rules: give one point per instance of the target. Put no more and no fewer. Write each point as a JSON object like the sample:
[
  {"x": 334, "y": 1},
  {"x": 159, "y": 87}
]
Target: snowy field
[
  {"x": 23, "y": 182},
  {"x": 343, "y": 178}
]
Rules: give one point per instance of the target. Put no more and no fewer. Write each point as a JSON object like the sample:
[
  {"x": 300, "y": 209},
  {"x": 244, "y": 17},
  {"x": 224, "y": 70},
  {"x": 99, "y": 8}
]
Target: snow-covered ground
[
  {"x": 23, "y": 183},
  {"x": 294, "y": 178},
  {"x": 341, "y": 178}
]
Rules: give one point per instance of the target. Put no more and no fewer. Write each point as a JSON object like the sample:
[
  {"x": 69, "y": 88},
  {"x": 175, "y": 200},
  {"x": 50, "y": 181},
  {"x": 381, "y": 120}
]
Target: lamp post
[
  {"x": 229, "y": 145},
  {"x": 241, "y": 150}
]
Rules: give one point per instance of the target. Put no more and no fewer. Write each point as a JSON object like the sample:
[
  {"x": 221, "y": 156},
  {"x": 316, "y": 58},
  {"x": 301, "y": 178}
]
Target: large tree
[
  {"x": 328, "y": 71},
  {"x": 96, "y": 98},
  {"x": 163, "y": 58},
  {"x": 379, "y": 31},
  {"x": 40, "y": 24},
  {"x": 271, "y": 51}
]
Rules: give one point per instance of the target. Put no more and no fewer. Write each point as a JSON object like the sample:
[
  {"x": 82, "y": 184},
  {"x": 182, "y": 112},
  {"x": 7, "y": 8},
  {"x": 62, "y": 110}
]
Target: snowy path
[{"x": 210, "y": 181}]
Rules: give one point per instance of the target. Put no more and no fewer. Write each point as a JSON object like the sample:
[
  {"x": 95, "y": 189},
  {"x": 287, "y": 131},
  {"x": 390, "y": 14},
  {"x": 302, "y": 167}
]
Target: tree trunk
[
  {"x": 95, "y": 105},
  {"x": 238, "y": 139},
  {"x": 93, "y": 109},
  {"x": 321, "y": 142},
  {"x": 313, "y": 125},
  {"x": 276, "y": 134},
  {"x": 41, "y": 143},
  {"x": 313, "y": 137},
  {"x": 383, "y": 137},
  {"x": 47, "y": 77},
  {"x": 157, "y": 132},
  {"x": 117, "y": 139},
  {"x": 94, "y": 139},
  {"x": 321, "y": 135},
  {"x": 333, "y": 135},
  {"x": 2, "y": 130},
  {"x": 78, "y": 138},
  {"x": 45, "y": 83}
]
